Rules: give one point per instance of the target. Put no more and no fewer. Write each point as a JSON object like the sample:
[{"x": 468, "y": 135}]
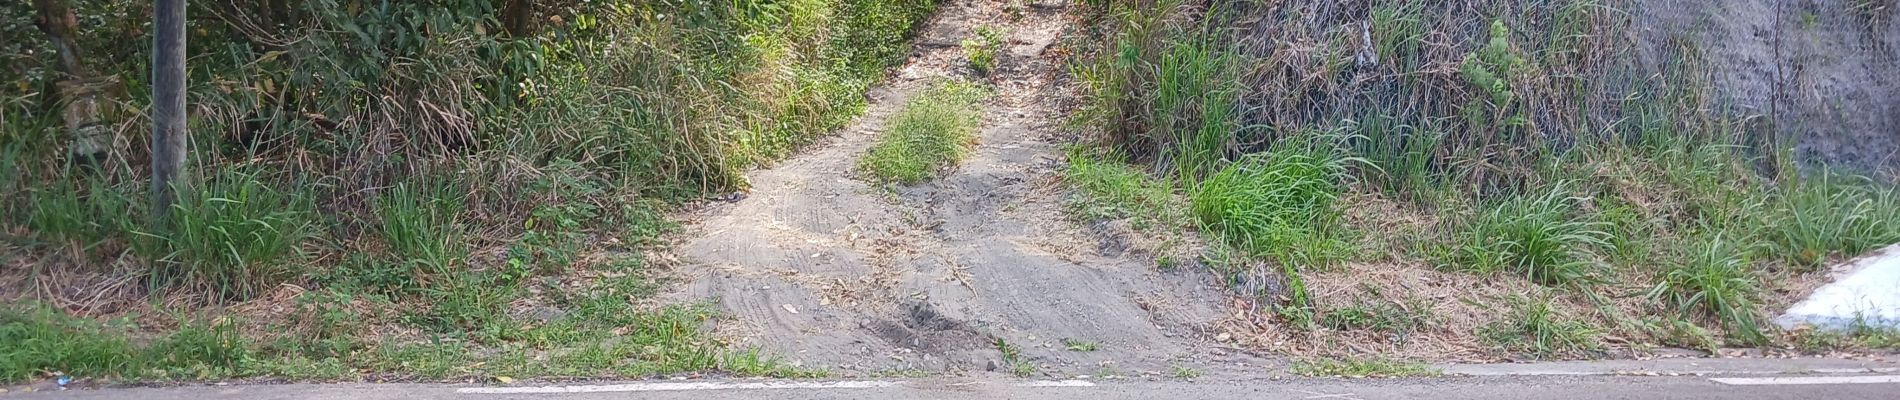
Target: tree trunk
[
  {"x": 80, "y": 94},
  {"x": 168, "y": 107},
  {"x": 517, "y": 17}
]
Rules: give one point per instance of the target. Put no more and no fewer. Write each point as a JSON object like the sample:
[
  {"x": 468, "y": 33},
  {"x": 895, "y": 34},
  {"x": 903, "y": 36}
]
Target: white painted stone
[{"x": 1864, "y": 290}]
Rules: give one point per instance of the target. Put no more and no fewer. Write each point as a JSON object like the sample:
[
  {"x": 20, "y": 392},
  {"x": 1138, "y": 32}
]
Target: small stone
[{"x": 1223, "y": 337}]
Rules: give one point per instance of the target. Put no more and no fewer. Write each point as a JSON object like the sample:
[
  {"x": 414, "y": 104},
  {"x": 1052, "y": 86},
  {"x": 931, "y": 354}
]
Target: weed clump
[
  {"x": 1714, "y": 281},
  {"x": 1278, "y": 203},
  {"x": 1107, "y": 189},
  {"x": 1533, "y": 326},
  {"x": 981, "y": 48},
  {"x": 237, "y": 236},
  {"x": 1821, "y": 218},
  {"x": 1539, "y": 237},
  {"x": 932, "y": 131}
]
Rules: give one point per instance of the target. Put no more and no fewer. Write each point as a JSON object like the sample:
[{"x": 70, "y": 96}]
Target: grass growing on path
[
  {"x": 1363, "y": 367},
  {"x": 932, "y": 131}
]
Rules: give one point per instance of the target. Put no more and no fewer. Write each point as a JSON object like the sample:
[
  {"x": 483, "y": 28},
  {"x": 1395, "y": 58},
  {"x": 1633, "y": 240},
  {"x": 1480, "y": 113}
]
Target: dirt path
[{"x": 820, "y": 267}]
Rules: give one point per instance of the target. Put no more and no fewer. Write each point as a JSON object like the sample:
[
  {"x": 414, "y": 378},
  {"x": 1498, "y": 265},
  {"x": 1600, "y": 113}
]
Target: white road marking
[
  {"x": 1809, "y": 380},
  {"x": 1854, "y": 370},
  {"x": 1318, "y": 395},
  {"x": 674, "y": 386},
  {"x": 682, "y": 386},
  {"x": 1062, "y": 383}
]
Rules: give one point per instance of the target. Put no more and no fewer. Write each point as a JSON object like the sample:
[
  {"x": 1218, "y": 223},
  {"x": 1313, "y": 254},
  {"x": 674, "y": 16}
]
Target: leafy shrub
[{"x": 980, "y": 49}]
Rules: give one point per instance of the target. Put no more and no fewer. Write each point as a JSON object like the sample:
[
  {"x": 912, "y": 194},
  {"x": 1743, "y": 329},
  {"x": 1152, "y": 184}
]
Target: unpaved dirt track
[{"x": 820, "y": 267}]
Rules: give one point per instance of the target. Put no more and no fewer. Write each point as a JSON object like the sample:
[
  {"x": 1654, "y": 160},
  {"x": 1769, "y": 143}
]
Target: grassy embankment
[
  {"x": 405, "y": 189},
  {"x": 1477, "y": 181}
]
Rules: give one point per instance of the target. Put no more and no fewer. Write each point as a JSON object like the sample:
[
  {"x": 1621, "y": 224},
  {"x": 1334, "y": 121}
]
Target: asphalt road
[{"x": 1554, "y": 387}]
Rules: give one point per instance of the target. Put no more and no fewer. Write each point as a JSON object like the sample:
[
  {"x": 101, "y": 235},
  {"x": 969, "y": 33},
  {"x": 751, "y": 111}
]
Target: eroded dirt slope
[{"x": 818, "y": 266}]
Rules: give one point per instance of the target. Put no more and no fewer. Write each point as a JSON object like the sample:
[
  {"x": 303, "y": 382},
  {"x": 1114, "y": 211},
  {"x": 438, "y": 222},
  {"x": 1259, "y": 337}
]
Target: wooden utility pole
[{"x": 168, "y": 106}]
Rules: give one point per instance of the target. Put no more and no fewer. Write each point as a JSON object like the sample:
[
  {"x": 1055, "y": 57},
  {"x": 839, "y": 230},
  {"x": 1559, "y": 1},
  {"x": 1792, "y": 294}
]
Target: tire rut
[{"x": 832, "y": 272}]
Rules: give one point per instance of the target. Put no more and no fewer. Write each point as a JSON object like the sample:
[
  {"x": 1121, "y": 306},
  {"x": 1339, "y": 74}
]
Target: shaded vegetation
[{"x": 433, "y": 186}]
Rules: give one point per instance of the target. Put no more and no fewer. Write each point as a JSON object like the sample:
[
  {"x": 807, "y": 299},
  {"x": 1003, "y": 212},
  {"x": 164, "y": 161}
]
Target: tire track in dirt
[{"x": 828, "y": 271}]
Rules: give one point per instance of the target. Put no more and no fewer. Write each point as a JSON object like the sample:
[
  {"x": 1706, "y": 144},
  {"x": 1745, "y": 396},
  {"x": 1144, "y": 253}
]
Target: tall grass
[
  {"x": 72, "y": 212},
  {"x": 1827, "y": 216},
  {"x": 419, "y": 224},
  {"x": 236, "y": 235},
  {"x": 1278, "y": 203},
  {"x": 1166, "y": 94},
  {"x": 1715, "y": 280},
  {"x": 1544, "y": 238}
]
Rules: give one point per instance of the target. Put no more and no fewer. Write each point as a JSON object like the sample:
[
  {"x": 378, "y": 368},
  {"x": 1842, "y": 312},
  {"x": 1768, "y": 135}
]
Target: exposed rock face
[{"x": 1826, "y": 73}]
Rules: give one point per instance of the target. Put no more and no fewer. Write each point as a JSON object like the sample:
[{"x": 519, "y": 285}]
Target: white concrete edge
[
  {"x": 1825, "y": 308},
  {"x": 689, "y": 386}
]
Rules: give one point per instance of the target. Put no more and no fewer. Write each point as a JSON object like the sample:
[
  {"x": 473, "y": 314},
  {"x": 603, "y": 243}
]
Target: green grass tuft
[
  {"x": 1278, "y": 203},
  {"x": 1079, "y": 345},
  {"x": 932, "y": 131},
  {"x": 1542, "y": 238},
  {"x": 1826, "y": 216},
  {"x": 1013, "y": 358},
  {"x": 1716, "y": 281},
  {"x": 1179, "y": 371},
  {"x": 236, "y": 235},
  {"x": 418, "y": 222},
  {"x": 1106, "y": 190},
  {"x": 1533, "y": 327}
]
